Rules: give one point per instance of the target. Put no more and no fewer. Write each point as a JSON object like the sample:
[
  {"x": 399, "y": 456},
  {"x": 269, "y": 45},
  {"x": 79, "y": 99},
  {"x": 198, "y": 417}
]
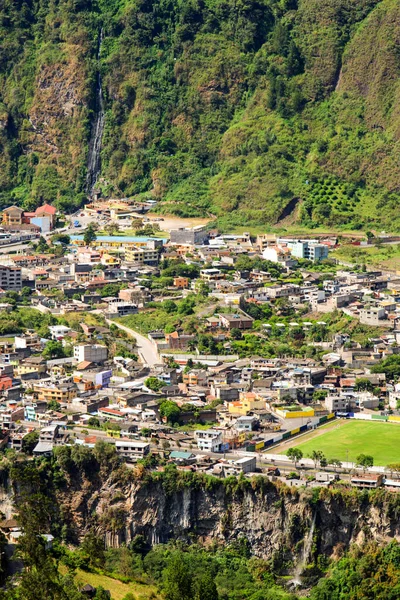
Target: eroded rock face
[{"x": 270, "y": 517}]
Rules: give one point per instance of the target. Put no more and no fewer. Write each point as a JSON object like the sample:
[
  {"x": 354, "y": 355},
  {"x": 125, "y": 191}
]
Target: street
[{"x": 146, "y": 350}]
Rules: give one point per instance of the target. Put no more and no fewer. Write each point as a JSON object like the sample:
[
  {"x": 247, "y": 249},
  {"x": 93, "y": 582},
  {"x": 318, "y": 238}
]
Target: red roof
[{"x": 46, "y": 208}]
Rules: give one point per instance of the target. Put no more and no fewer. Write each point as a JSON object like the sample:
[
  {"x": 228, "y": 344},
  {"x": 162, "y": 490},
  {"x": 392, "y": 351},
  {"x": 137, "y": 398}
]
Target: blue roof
[
  {"x": 120, "y": 238},
  {"x": 181, "y": 454}
]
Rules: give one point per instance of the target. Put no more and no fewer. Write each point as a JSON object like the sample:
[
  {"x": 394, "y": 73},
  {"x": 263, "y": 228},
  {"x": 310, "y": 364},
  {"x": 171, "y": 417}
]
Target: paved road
[{"x": 146, "y": 349}]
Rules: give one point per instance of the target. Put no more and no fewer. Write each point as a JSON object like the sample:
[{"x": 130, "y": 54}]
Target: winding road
[{"x": 146, "y": 350}]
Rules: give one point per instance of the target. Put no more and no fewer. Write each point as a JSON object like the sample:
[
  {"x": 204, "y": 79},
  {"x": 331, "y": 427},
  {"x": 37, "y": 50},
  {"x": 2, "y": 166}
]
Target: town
[{"x": 223, "y": 353}]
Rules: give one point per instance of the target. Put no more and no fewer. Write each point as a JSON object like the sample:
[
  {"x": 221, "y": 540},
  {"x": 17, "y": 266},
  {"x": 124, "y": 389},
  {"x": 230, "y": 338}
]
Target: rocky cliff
[{"x": 271, "y": 516}]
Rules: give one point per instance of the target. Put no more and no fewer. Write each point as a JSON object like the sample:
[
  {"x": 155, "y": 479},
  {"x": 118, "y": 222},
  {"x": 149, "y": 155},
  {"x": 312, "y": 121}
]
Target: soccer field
[{"x": 351, "y": 438}]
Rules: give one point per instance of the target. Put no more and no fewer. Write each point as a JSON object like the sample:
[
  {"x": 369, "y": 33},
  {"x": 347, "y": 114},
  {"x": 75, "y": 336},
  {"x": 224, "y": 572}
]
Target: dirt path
[{"x": 172, "y": 222}]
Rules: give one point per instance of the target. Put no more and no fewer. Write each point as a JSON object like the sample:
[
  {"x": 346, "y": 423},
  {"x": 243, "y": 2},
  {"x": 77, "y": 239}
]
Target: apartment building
[
  {"x": 132, "y": 450},
  {"x": 95, "y": 353},
  {"x": 10, "y": 278},
  {"x": 209, "y": 440}
]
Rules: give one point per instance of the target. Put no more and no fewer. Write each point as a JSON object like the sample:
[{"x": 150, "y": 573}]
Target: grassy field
[
  {"x": 351, "y": 438},
  {"x": 118, "y": 589},
  {"x": 385, "y": 256}
]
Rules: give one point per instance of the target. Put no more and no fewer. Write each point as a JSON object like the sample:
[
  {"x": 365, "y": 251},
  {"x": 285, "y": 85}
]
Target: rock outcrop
[{"x": 270, "y": 516}]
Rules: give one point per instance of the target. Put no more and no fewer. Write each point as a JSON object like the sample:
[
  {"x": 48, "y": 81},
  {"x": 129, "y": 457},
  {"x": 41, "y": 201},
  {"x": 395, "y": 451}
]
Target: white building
[
  {"x": 132, "y": 450},
  {"x": 209, "y": 440},
  {"x": 90, "y": 352},
  {"x": 58, "y": 332}
]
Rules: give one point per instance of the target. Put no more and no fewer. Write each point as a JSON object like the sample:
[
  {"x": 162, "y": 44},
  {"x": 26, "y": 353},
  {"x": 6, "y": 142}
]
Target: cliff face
[{"x": 270, "y": 517}]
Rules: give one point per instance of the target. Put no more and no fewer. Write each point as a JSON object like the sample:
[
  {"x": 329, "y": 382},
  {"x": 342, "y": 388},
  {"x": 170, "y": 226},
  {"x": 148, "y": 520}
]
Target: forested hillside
[{"x": 250, "y": 110}]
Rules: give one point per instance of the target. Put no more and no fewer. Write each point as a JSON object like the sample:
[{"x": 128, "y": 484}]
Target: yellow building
[
  {"x": 60, "y": 393},
  {"x": 248, "y": 401},
  {"x": 287, "y": 413},
  {"x": 141, "y": 255}
]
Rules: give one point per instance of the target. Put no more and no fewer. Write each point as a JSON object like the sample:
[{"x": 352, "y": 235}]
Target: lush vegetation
[
  {"x": 177, "y": 570},
  {"x": 268, "y": 106}
]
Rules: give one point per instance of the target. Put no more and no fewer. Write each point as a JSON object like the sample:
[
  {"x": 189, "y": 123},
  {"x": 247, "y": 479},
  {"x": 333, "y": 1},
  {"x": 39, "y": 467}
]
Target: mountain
[{"x": 256, "y": 111}]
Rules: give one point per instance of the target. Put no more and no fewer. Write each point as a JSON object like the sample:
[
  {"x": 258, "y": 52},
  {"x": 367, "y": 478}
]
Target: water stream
[
  {"x": 296, "y": 581},
  {"x": 94, "y": 159}
]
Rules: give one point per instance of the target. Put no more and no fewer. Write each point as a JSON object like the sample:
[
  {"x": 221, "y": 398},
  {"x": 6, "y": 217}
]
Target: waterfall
[
  {"x": 296, "y": 581},
  {"x": 94, "y": 160}
]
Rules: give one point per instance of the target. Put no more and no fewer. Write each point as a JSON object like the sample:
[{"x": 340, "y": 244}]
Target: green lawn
[
  {"x": 351, "y": 438},
  {"x": 118, "y": 589}
]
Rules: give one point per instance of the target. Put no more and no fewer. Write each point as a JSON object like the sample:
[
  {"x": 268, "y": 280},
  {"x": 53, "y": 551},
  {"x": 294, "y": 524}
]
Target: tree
[
  {"x": 236, "y": 334},
  {"x": 177, "y": 579},
  {"x": 30, "y": 441},
  {"x": 319, "y": 395},
  {"x": 295, "y": 454},
  {"x": 390, "y": 366},
  {"x": 170, "y": 411},
  {"x": 393, "y": 467},
  {"x": 42, "y": 245},
  {"x": 204, "y": 587},
  {"x": 154, "y": 384},
  {"x": 363, "y": 384},
  {"x": 94, "y": 422},
  {"x": 93, "y": 546},
  {"x": 53, "y": 405},
  {"x": 335, "y": 462},
  {"x": 365, "y": 461},
  {"x": 53, "y": 349},
  {"x": 90, "y": 235},
  {"x": 102, "y": 594},
  {"x": 317, "y": 456}
]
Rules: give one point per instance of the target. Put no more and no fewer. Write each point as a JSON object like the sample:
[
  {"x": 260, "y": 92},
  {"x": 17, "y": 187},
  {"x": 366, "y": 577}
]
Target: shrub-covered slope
[{"x": 252, "y": 110}]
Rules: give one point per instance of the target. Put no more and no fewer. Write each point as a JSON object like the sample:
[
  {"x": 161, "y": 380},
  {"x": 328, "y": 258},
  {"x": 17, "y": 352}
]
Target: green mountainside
[{"x": 256, "y": 111}]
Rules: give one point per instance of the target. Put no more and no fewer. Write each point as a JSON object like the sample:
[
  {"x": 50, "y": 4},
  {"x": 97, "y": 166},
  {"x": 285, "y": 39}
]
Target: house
[
  {"x": 10, "y": 278},
  {"x": 181, "y": 282},
  {"x": 367, "y": 480},
  {"x": 235, "y": 321},
  {"x": 58, "y": 332},
  {"x": 182, "y": 458},
  {"x": 179, "y": 341},
  {"x": 12, "y": 215},
  {"x": 245, "y": 423},
  {"x": 95, "y": 353},
  {"x": 132, "y": 450},
  {"x": 248, "y": 464},
  {"x": 209, "y": 440},
  {"x": 43, "y": 449}
]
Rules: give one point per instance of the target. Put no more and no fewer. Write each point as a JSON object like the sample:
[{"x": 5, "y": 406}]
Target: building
[
  {"x": 191, "y": 237},
  {"x": 211, "y": 274},
  {"x": 209, "y": 440},
  {"x": 43, "y": 218},
  {"x": 94, "y": 353},
  {"x": 236, "y": 321},
  {"x": 58, "y": 332},
  {"x": 121, "y": 309},
  {"x": 12, "y": 215},
  {"x": 132, "y": 450},
  {"x": 10, "y": 278},
  {"x": 374, "y": 316},
  {"x": 248, "y": 464},
  {"x": 181, "y": 282},
  {"x": 309, "y": 250},
  {"x": 142, "y": 256},
  {"x": 62, "y": 393},
  {"x": 245, "y": 423},
  {"x": 338, "y": 403},
  {"x": 367, "y": 481}
]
